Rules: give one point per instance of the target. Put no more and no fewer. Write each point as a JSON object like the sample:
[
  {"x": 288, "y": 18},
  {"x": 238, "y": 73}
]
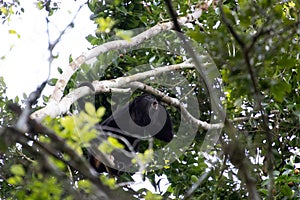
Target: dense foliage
[{"x": 255, "y": 46}]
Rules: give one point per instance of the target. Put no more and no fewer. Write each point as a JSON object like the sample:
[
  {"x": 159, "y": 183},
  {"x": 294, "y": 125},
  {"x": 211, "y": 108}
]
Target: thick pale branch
[
  {"x": 119, "y": 82},
  {"x": 114, "y": 45},
  {"x": 54, "y": 108}
]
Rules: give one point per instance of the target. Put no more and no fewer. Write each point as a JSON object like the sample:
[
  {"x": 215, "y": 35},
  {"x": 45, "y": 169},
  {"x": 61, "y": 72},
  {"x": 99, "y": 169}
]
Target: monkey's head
[{"x": 145, "y": 109}]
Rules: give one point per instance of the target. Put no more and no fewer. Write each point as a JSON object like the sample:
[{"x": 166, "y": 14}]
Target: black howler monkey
[{"x": 142, "y": 118}]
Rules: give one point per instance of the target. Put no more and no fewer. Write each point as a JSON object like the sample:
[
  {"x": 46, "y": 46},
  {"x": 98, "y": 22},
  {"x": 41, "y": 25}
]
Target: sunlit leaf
[
  {"x": 52, "y": 81},
  {"x": 126, "y": 35},
  {"x": 151, "y": 196},
  {"x": 17, "y": 170},
  {"x": 105, "y": 24},
  {"x": 100, "y": 112},
  {"x": 280, "y": 90},
  {"x": 68, "y": 123},
  {"x": 88, "y": 136},
  {"x": 115, "y": 143},
  {"x": 109, "y": 181},
  {"x": 105, "y": 147},
  {"x": 85, "y": 185},
  {"x": 15, "y": 180},
  {"x": 12, "y": 31},
  {"x": 90, "y": 109}
]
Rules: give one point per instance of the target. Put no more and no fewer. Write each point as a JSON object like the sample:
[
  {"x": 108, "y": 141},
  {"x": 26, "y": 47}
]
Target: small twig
[
  {"x": 202, "y": 178},
  {"x": 52, "y": 45},
  {"x": 29, "y": 102},
  {"x": 236, "y": 36},
  {"x": 25, "y": 156}
]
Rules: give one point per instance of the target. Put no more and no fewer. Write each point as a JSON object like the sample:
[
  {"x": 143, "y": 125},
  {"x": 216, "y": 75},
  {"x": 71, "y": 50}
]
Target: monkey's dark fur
[{"x": 148, "y": 119}]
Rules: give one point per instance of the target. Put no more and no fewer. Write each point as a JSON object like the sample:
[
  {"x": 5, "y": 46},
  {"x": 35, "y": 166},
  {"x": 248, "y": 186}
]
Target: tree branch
[
  {"x": 54, "y": 108},
  {"x": 114, "y": 45},
  {"x": 256, "y": 93},
  {"x": 234, "y": 145},
  {"x": 176, "y": 103}
]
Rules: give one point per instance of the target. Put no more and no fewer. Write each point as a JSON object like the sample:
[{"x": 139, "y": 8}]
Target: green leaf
[
  {"x": 151, "y": 196},
  {"x": 40, "y": 5},
  {"x": 15, "y": 180},
  {"x": 52, "y": 81},
  {"x": 228, "y": 13},
  {"x": 145, "y": 157},
  {"x": 105, "y": 24},
  {"x": 3, "y": 145},
  {"x": 88, "y": 136},
  {"x": 61, "y": 165},
  {"x": 12, "y": 31},
  {"x": 110, "y": 182},
  {"x": 3, "y": 10},
  {"x": 115, "y": 143},
  {"x": 194, "y": 178},
  {"x": 100, "y": 112},
  {"x": 85, "y": 185},
  {"x": 105, "y": 147},
  {"x": 238, "y": 102},
  {"x": 60, "y": 71},
  {"x": 90, "y": 109},
  {"x": 279, "y": 90},
  {"x": 45, "y": 98},
  {"x": 279, "y": 12},
  {"x": 286, "y": 190},
  {"x": 17, "y": 170},
  {"x": 68, "y": 123},
  {"x": 126, "y": 35}
]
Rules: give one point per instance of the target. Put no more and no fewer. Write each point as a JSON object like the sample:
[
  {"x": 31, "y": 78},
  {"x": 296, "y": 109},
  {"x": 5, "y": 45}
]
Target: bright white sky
[{"x": 26, "y": 58}]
